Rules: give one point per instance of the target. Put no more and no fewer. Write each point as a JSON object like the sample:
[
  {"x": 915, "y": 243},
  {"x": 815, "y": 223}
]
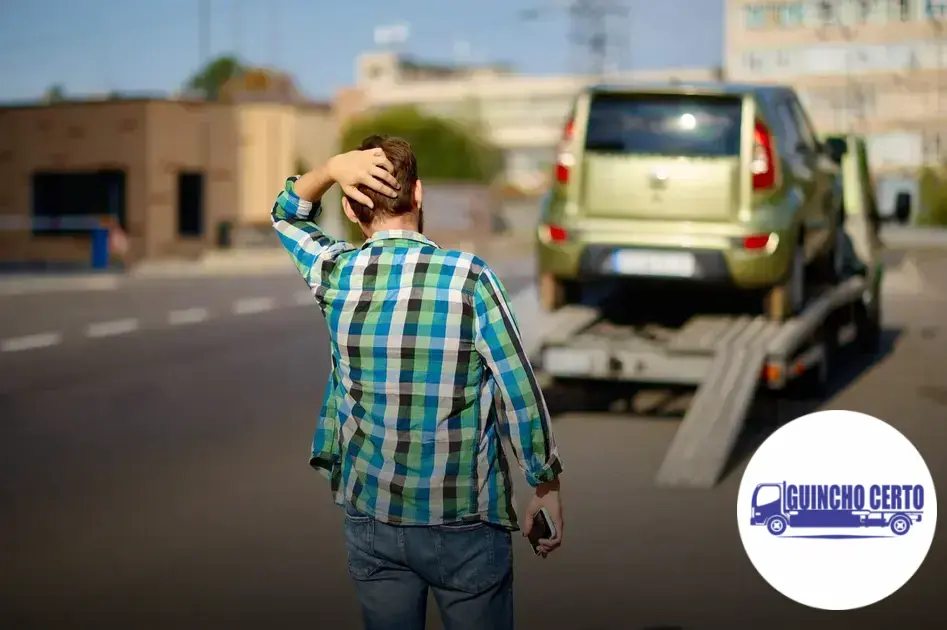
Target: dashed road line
[
  {"x": 112, "y": 328},
  {"x": 304, "y": 298},
  {"x": 187, "y": 316},
  {"x": 30, "y": 342},
  {"x": 249, "y": 306}
]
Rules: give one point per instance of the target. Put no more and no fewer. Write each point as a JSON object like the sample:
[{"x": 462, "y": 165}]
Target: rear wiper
[{"x": 605, "y": 146}]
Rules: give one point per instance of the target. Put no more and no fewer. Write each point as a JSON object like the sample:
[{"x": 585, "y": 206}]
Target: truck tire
[
  {"x": 777, "y": 525},
  {"x": 830, "y": 268},
  {"x": 900, "y": 525},
  {"x": 868, "y": 323},
  {"x": 554, "y": 293}
]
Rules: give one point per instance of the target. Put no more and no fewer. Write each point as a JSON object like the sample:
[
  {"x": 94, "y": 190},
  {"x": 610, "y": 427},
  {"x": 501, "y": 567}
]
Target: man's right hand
[
  {"x": 369, "y": 168},
  {"x": 547, "y": 496}
]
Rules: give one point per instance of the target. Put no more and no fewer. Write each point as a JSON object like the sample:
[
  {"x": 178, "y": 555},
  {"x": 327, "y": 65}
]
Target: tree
[
  {"x": 211, "y": 78},
  {"x": 447, "y": 151},
  {"x": 55, "y": 94}
]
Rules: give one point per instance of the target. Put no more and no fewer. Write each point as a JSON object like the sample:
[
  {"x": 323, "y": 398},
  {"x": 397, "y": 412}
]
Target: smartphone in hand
[{"x": 543, "y": 529}]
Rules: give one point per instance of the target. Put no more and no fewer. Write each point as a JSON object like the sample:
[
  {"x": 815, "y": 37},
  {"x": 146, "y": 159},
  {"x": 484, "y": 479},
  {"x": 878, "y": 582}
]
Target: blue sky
[{"x": 96, "y": 46}]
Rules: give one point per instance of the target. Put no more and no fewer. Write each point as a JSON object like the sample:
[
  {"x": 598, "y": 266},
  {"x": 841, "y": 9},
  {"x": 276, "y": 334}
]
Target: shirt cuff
[
  {"x": 302, "y": 208},
  {"x": 546, "y": 474}
]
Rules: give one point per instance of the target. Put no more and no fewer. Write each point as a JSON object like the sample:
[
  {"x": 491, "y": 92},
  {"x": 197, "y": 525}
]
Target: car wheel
[
  {"x": 554, "y": 293},
  {"x": 788, "y": 298}
]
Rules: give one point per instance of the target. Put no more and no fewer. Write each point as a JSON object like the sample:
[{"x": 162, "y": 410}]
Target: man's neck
[{"x": 397, "y": 223}]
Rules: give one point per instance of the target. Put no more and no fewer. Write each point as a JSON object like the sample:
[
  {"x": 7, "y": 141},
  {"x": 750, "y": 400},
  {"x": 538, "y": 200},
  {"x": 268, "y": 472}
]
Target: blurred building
[
  {"x": 180, "y": 176},
  {"x": 522, "y": 115},
  {"x": 875, "y": 67}
]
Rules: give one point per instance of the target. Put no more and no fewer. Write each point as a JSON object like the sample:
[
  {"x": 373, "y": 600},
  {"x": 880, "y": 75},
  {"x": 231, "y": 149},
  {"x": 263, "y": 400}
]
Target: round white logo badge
[{"x": 837, "y": 510}]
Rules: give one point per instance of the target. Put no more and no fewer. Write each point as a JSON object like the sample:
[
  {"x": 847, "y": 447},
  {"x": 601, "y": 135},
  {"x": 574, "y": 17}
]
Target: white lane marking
[
  {"x": 253, "y": 305},
  {"x": 187, "y": 316},
  {"x": 30, "y": 342},
  {"x": 304, "y": 298},
  {"x": 110, "y": 328}
]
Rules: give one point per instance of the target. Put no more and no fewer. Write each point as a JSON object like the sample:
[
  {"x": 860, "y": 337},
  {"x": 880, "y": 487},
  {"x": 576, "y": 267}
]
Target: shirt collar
[{"x": 400, "y": 235}]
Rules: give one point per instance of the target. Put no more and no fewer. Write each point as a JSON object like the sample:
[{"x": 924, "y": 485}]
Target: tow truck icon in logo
[{"x": 781, "y": 506}]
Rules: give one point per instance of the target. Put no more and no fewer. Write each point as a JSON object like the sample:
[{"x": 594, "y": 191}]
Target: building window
[
  {"x": 755, "y": 16},
  {"x": 904, "y": 10},
  {"x": 788, "y": 14},
  {"x": 76, "y": 203},
  {"x": 935, "y": 9},
  {"x": 191, "y": 204},
  {"x": 825, "y": 10},
  {"x": 752, "y": 62}
]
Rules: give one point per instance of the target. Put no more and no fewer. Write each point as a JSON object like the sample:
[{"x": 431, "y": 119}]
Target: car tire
[
  {"x": 831, "y": 267},
  {"x": 554, "y": 293},
  {"x": 789, "y": 297}
]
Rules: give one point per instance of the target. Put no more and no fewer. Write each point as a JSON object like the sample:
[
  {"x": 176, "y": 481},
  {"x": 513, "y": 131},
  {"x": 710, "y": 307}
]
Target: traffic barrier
[{"x": 105, "y": 234}]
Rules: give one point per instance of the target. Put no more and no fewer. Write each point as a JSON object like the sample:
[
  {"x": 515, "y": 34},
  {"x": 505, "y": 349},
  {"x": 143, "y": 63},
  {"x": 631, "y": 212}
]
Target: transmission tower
[{"x": 598, "y": 33}]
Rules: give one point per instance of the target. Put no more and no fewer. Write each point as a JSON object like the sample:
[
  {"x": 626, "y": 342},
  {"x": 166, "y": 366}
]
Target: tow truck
[
  {"x": 769, "y": 509},
  {"x": 726, "y": 357}
]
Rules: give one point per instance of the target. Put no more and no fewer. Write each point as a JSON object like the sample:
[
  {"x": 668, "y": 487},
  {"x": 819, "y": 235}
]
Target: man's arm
[
  {"x": 523, "y": 412},
  {"x": 299, "y": 204},
  {"x": 294, "y": 218}
]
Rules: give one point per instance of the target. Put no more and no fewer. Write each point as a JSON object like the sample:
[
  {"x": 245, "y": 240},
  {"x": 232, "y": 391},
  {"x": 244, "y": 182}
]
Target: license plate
[
  {"x": 631, "y": 262},
  {"x": 567, "y": 362}
]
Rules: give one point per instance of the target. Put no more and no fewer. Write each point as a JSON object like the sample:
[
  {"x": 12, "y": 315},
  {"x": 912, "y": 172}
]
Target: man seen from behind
[{"x": 428, "y": 371}]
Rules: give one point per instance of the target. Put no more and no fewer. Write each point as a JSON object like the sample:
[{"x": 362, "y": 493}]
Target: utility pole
[
  {"x": 598, "y": 33},
  {"x": 203, "y": 46},
  {"x": 935, "y": 14},
  {"x": 831, "y": 19}
]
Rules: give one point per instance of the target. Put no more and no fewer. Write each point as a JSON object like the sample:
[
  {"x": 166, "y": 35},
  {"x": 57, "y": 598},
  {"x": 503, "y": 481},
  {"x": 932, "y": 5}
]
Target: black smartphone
[{"x": 543, "y": 529}]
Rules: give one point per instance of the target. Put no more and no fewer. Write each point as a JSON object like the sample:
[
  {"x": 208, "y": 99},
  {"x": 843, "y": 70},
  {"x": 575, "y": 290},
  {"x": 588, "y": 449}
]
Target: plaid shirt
[{"x": 428, "y": 372}]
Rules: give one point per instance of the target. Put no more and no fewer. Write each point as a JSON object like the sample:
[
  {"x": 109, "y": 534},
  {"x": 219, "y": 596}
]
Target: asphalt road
[{"x": 158, "y": 478}]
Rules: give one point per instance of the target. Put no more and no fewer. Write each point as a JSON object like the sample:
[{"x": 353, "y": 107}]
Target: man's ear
[
  {"x": 347, "y": 209},
  {"x": 418, "y": 194}
]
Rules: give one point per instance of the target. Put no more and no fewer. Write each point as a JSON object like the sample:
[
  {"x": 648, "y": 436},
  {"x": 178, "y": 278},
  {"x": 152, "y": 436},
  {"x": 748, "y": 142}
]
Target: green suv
[{"x": 713, "y": 184}]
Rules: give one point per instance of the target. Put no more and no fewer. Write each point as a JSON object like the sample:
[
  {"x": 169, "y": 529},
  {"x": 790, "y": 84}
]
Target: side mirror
[
  {"x": 836, "y": 148},
  {"x": 902, "y": 207}
]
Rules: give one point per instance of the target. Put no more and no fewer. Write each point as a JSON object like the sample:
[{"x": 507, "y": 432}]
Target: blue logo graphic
[{"x": 783, "y": 506}]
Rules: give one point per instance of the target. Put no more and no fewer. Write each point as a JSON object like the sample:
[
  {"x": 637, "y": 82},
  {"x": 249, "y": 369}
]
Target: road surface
[{"x": 156, "y": 477}]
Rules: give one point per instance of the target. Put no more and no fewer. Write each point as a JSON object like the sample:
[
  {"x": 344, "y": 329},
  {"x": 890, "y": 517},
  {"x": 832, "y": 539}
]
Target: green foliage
[
  {"x": 55, "y": 94},
  {"x": 211, "y": 78},
  {"x": 933, "y": 192},
  {"x": 447, "y": 151}
]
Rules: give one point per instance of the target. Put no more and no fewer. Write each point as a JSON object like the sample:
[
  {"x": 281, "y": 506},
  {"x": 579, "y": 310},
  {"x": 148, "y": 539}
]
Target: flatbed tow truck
[{"x": 727, "y": 358}]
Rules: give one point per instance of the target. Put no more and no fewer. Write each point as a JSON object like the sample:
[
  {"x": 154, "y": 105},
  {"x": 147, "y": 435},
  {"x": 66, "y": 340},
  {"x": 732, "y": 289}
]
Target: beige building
[
  {"x": 876, "y": 67},
  {"x": 173, "y": 172},
  {"x": 523, "y": 115}
]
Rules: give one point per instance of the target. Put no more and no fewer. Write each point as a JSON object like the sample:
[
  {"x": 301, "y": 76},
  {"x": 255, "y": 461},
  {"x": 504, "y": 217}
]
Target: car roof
[{"x": 693, "y": 87}]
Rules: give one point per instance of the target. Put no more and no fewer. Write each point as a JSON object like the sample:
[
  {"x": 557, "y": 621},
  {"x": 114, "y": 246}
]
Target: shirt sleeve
[
  {"x": 295, "y": 222},
  {"x": 523, "y": 415}
]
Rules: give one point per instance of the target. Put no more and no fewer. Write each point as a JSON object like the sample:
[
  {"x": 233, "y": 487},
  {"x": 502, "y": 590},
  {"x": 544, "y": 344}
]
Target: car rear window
[{"x": 669, "y": 125}]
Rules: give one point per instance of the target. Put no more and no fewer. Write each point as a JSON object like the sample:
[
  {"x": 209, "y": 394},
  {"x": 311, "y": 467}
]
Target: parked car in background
[{"x": 713, "y": 184}]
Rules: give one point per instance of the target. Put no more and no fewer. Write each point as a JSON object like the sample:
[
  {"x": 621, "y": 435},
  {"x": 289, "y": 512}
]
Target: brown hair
[{"x": 399, "y": 153}]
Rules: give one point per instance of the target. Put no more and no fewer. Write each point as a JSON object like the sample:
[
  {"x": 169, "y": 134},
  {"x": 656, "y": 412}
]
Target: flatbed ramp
[
  {"x": 707, "y": 435},
  {"x": 724, "y": 356}
]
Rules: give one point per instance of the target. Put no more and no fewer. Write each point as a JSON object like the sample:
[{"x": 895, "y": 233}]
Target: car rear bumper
[{"x": 722, "y": 261}]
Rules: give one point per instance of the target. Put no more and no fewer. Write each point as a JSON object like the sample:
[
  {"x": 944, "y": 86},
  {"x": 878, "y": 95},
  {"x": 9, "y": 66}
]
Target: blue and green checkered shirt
[{"x": 428, "y": 373}]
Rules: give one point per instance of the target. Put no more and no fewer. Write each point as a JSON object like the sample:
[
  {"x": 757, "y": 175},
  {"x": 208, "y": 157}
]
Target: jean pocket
[
  {"x": 360, "y": 545},
  {"x": 473, "y": 557}
]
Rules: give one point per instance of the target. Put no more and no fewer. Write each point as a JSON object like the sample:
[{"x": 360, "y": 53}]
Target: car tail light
[
  {"x": 565, "y": 159},
  {"x": 763, "y": 165},
  {"x": 556, "y": 234},
  {"x": 757, "y": 241}
]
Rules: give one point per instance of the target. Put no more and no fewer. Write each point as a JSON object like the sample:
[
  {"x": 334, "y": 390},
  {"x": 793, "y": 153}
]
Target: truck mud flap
[{"x": 706, "y": 437}]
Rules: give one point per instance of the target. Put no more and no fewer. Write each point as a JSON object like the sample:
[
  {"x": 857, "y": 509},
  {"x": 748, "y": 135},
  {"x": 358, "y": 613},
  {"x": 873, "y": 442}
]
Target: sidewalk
[{"x": 507, "y": 253}]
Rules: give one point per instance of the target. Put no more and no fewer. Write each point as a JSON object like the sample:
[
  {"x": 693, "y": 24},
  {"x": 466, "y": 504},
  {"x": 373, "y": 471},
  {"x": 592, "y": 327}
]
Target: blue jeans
[{"x": 468, "y": 567}]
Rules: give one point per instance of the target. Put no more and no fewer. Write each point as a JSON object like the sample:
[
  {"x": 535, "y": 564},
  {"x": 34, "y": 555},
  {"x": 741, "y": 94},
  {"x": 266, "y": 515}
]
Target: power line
[{"x": 598, "y": 33}]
